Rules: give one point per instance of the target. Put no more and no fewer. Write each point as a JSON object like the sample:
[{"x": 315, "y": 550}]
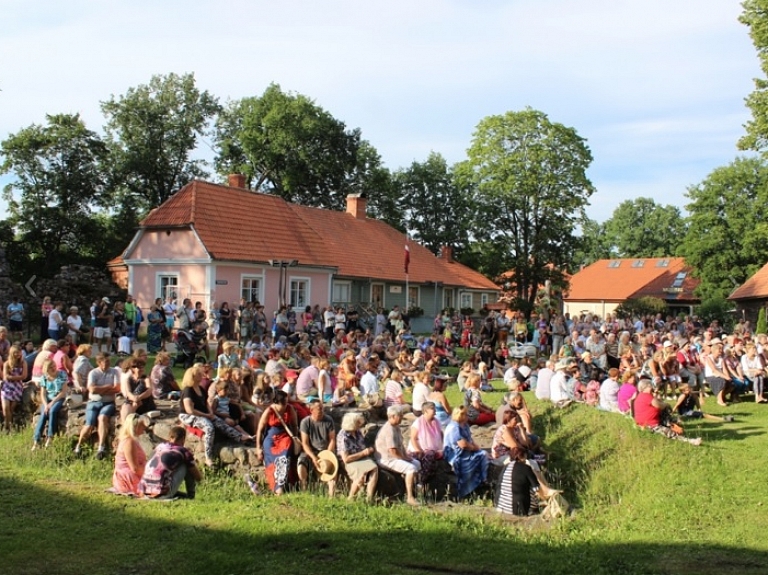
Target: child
[
  {"x": 688, "y": 406},
  {"x": 220, "y": 406}
]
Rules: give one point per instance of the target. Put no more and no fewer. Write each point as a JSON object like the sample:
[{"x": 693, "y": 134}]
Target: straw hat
[{"x": 328, "y": 465}]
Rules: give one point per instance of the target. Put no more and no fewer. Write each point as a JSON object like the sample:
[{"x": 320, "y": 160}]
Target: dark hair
[
  {"x": 280, "y": 397},
  {"x": 509, "y": 415},
  {"x": 439, "y": 384},
  {"x": 177, "y": 433}
]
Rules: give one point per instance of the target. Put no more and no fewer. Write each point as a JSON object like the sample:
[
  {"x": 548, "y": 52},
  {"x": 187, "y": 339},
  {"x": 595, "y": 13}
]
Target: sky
[{"x": 655, "y": 87}]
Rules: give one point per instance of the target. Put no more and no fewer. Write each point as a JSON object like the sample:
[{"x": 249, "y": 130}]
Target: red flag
[{"x": 407, "y": 258}]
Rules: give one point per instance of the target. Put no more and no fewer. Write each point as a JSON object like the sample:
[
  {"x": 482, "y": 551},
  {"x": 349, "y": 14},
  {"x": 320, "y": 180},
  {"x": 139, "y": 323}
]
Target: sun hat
[
  {"x": 106, "y": 299},
  {"x": 328, "y": 465}
]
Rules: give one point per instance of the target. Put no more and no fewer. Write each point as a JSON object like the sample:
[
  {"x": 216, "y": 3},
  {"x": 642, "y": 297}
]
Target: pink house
[{"x": 214, "y": 243}]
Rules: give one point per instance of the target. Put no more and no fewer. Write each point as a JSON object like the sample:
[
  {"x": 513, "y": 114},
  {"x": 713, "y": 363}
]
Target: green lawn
[{"x": 643, "y": 504}]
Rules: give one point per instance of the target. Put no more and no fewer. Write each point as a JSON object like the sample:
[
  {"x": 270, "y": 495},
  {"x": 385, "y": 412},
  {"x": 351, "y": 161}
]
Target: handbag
[
  {"x": 297, "y": 446},
  {"x": 556, "y": 507}
]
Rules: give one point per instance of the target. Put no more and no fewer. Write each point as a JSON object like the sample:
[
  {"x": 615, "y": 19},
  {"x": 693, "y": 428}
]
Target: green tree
[
  {"x": 436, "y": 207},
  {"x": 531, "y": 190},
  {"x": 592, "y": 245},
  {"x": 152, "y": 131},
  {"x": 641, "y": 228},
  {"x": 727, "y": 239},
  {"x": 762, "y": 323},
  {"x": 58, "y": 178},
  {"x": 488, "y": 257},
  {"x": 755, "y": 16},
  {"x": 378, "y": 184},
  {"x": 287, "y": 145}
]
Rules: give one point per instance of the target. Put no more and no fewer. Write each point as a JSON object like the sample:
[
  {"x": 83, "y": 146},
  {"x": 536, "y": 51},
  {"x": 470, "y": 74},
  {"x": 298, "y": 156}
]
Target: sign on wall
[{"x": 395, "y": 289}]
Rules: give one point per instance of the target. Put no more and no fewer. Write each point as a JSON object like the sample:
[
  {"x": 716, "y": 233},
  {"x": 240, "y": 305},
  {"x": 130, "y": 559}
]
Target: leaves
[
  {"x": 641, "y": 228},
  {"x": 531, "y": 189},
  {"x": 727, "y": 240}
]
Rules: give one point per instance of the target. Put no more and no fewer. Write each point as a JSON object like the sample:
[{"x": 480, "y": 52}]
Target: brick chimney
[
  {"x": 356, "y": 204},
  {"x": 236, "y": 180},
  {"x": 446, "y": 253}
]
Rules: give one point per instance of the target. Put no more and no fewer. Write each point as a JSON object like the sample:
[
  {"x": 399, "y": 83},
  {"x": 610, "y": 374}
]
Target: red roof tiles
[
  {"x": 622, "y": 279},
  {"x": 240, "y": 225},
  {"x": 755, "y": 287}
]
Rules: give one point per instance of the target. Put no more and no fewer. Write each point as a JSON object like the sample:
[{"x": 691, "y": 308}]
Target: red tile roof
[
  {"x": 754, "y": 287},
  {"x": 240, "y": 225},
  {"x": 621, "y": 279}
]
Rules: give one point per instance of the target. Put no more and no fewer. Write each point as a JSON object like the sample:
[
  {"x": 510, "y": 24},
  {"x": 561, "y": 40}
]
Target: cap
[{"x": 106, "y": 299}]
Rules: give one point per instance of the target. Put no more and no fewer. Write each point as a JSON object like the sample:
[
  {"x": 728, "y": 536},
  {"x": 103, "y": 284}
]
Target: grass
[{"x": 643, "y": 505}]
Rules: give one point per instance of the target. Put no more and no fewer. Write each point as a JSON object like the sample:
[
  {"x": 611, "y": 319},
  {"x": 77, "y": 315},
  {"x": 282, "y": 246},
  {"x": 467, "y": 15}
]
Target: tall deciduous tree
[
  {"x": 641, "y": 228},
  {"x": 727, "y": 239},
  {"x": 287, "y": 145},
  {"x": 153, "y": 130},
  {"x": 57, "y": 179},
  {"x": 531, "y": 190},
  {"x": 755, "y": 16},
  {"x": 437, "y": 208}
]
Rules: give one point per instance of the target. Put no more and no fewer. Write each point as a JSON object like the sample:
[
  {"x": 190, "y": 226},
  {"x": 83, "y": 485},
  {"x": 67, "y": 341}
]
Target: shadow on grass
[{"x": 46, "y": 530}]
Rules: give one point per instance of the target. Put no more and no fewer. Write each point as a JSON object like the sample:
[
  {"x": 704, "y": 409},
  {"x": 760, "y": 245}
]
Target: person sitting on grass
[
  {"x": 358, "y": 461},
  {"x": 103, "y": 386},
  {"x": 53, "y": 391},
  {"x": 391, "y": 453},
  {"x": 518, "y": 481},
  {"x": 170, "y": 465},
  {"x": 652, "y": 413},
  {"x": 689, "y": 407},
  {"x": 130, "y": 458},
  {"x": 478, "y": 413}
]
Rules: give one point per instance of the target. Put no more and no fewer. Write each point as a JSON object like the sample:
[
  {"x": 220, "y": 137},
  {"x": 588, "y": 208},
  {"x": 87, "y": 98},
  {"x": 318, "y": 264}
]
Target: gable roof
[
  {"x": 620, "y": 279},
  {"x": 755, "y": 287},
  {"x": 236, "y": 224}
]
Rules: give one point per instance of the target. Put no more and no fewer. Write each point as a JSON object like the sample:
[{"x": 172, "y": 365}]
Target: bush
[
  {"x": 641, "y": 306},
  {"x": 467, "y": 311},
  {"x": 716, "y": 308},
  {"x": 762, "y": 324},
  {"x": 414, "y": 311}
]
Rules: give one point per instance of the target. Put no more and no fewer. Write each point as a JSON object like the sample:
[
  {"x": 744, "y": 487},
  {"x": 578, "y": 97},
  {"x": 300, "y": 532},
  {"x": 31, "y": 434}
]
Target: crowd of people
[{"x": 270, "y": 387}]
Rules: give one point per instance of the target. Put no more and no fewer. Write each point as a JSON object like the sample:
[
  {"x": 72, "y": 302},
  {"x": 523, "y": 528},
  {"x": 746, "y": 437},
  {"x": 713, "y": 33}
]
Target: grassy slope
[{"x": 644, "y": 505}]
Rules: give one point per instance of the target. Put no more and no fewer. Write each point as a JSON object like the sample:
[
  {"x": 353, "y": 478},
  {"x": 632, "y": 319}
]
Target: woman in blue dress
[{"x": 469, "y": 460}]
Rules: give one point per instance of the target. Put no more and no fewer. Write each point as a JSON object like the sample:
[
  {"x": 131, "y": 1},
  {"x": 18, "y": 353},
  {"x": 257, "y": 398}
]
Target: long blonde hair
[{"x": 131, "y": 424}]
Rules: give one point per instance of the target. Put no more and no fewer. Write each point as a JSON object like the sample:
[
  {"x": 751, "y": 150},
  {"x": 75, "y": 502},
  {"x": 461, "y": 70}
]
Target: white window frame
[
  {"x": 341, "y": 284},
  {"x": 465, "y": 300},
  {"x": 308, "y": 295},
  {"x": 250, "y": 277},
  {"x": 159, "y": 284},
  {"x": 416, "y": 303},
  {"x": 383, "y": 294},
  {"x": 483, "y": 299},
  {"x": 448, "y": 295}
]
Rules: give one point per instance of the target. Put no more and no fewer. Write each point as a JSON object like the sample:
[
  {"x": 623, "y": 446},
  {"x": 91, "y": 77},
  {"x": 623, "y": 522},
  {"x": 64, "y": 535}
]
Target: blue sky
[{"x": 656, "y": 87}]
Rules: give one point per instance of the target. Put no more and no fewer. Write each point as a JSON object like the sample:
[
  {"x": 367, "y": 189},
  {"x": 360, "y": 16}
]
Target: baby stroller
[{"x": 186, "y": 349}]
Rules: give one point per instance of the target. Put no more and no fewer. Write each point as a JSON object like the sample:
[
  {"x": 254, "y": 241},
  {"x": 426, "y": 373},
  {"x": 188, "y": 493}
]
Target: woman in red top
[{"x": 649, "y": 412}]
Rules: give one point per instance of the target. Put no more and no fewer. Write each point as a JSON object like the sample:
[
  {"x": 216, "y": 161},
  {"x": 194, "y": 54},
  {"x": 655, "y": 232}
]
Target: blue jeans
[
  {"x": 53, "y": 334},
  {"x": 52, "y": 417}
]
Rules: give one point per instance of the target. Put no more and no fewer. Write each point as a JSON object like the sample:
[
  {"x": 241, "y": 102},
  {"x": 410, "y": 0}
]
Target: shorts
[
  {"x": 101, "y": 332},
  {"x": 692, "y": 414},
  {"x": 14, "y": 325},
  {"x": 95, "y": 409},
  {"x": 400, "y": 465}
]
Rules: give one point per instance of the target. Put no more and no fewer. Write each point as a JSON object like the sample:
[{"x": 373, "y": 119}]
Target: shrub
[
  {"x": 641, "y": 306},
  {"x": 762, "y": 324}
]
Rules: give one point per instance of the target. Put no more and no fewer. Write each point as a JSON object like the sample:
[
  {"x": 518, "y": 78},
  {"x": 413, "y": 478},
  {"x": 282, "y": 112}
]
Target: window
[
  {"x": 168, "y": 286},
  {"x": 614, "y": 263},
  {"x": 342, "y": 292},
  {"x": 466, "y": 300},
  {"x": 662, "y": 263},
  {"x": 638, "y": 263},
  {"x": 447, "y": 298},
  {"x": 250, "y": 288},
  {"x": 483, "y": 299},
  {"x": 679, "y": 279},
  {"x": 299, "y": 298},
  {"x": 413, "y": 296}
]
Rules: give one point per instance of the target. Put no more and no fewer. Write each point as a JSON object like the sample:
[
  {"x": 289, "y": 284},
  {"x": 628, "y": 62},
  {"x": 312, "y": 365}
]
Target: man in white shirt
[
  {"x": 558, "y": 387},
  {"x": 609, "y": 392},
  {"x": 544, "y": 380},
  {"x": 369, "y": 385}
]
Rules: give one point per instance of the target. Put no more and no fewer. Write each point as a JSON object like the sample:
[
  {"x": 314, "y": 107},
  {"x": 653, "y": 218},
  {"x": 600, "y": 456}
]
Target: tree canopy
[
  {"x": 531, "y": 188},
  {"x": 755, "y": 16},
  {"x": 58, "y": 178},
  {"x": 152, "y": 132},
  {"x": 641, "y": 228},
  {"x": 727, "y": 240}
]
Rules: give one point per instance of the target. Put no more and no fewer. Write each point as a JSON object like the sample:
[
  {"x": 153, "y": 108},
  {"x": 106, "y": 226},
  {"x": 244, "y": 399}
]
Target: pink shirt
[{"x": 430, "y": 435}]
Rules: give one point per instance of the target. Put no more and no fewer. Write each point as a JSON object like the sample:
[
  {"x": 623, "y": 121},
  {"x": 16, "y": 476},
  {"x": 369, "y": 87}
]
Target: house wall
[
  {"x": 159, "y": 244},
  {"x": 600, "y": 308},
  {"x": 748, "y": 309},
  {"x": 143, "y": 283}
]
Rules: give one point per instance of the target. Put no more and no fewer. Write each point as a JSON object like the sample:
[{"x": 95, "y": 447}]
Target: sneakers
[
  {"x": 100, "y": 453},
  {"x": 252, "y": 485},
  {"x": 77, "y": 450},
  {"x": 696, "y": 441},
  {"x": 728, "y": 418},
  {"x": 35, "y": 445}
]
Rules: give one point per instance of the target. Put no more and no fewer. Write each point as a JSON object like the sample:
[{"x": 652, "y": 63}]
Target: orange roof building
[
  {"x": 752, "y": 294},
  {"x": 212, "y": 242},
  {"x": 601, "y": 287}
]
